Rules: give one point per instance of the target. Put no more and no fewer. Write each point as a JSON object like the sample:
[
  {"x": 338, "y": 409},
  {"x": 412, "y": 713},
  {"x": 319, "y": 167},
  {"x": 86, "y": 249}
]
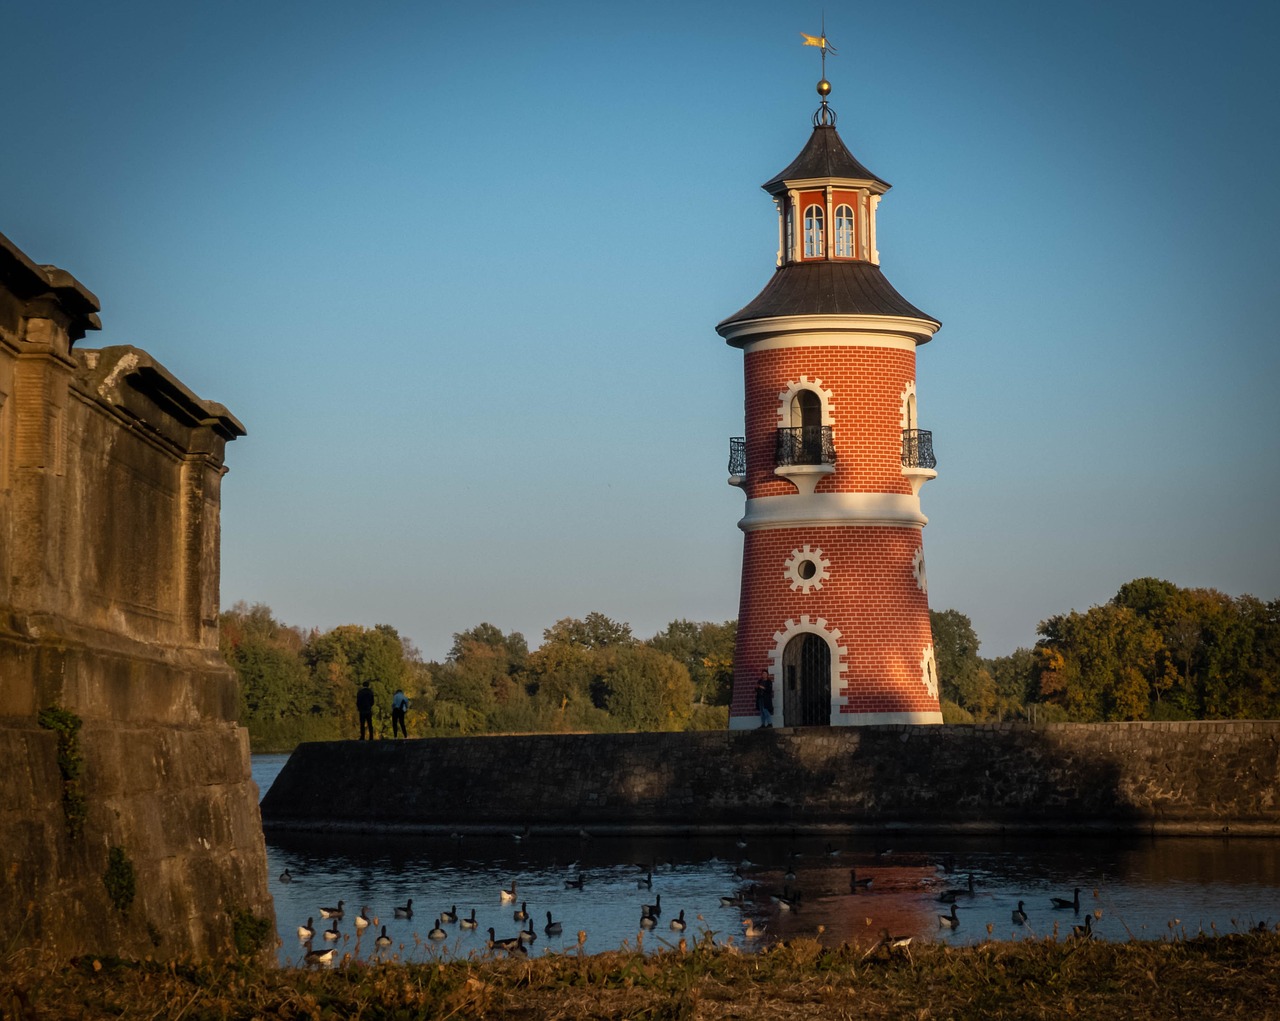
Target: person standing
[
  {"x": 764, "y": 698},
  {"x": 399, "y": 706},
  {"x": 364, "y": 706}
]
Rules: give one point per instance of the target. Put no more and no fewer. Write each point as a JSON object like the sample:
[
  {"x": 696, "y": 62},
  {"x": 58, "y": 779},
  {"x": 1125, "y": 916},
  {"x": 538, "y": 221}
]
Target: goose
[
  {"x": 951, "y": 921},
  {"x": 1083, "y": 931},
  {"x": 527, "y": 935},
  {"x": 646, "y": 883},
  {"x": 734, "y": 900},
  {"x": 576, "y": 884},
  {"x": 508, "y": 896},
  {"x": 832, "y": 850},
  {"x": 332, "y": 912},
  {"x": 436, "y": 932},
  {"x": 678, "y": 923},
  {"x": 324, "y": 956},
  {"x": 741, "y": 842},
  {"x": 855, "y": 883},
  {"x": 522, "y": 912},
  {"x": 518, "y": 837},
  {"x": 362, "y": 919},
  {"x": 647, "y": 921},
  {"x": 332, "y": 933},
  {"x": 654, "y": 909},
  {"x": 751, "y": 928},
  {"x": 383, "y": 940},
  {"x": 305, "y": 932},
  {"x": 470, "y": 923},
  {"x": 891, "y": 945},
  {"x": 1062, "y": 902},
  {"x": 553, "y": 928},
  {"x": 286, "y": 876},
  {"x": 897, "y": 944},
  {"x": 1019, "y": 915},
  {"x": 949, "y": 896},
  {"x": 450, "y": 916},
  {"x": 406, "y": 911},
  {"x": 507, "y": 943},
  {"x": 790, "y": 874},
  {"x": 788, "y": 901}
]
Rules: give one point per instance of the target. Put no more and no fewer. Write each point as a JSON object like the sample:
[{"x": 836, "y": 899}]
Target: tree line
[
  {"x": 590, "y": 674},
  {"x": 1153, "y": 652}
]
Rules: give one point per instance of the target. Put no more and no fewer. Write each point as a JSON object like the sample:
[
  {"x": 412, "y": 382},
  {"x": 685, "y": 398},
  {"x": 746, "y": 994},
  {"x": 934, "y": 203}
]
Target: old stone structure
[
  {"x": 110, "y": 475},
  {"x": 1219, "y": 777}
]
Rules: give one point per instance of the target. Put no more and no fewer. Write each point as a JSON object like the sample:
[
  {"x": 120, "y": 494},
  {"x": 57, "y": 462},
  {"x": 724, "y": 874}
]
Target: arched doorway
[{"x": 806, "y": 681}]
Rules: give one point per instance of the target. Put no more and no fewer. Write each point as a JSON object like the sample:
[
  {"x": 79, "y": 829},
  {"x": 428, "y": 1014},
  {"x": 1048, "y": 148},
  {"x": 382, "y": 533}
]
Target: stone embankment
[{"x": 1169, "y": 778}]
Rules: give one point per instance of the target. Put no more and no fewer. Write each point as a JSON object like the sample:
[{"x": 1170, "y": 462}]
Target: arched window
[
  {"x": 806, "y": 425},
  {"x": 813, "y": 247},
  {"x": 844, "y": 232}
]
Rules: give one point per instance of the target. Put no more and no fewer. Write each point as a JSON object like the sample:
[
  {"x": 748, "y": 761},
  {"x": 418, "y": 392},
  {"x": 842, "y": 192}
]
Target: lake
[{"x": 1133, "y": 887}]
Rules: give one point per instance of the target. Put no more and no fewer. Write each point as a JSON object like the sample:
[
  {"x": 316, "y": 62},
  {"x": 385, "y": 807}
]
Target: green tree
[
  {"x": 643, "y": 688},
  {"x": 706, "y": 650},
  {"x": 595, "y": 631},
  {"x": 962, "y": 678},
  {"x": 1096, "y": 665}
]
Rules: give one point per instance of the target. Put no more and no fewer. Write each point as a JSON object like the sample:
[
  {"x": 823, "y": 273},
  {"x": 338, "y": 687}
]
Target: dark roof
[
  {"x": 828, "y": 288},
  {"x": 825, "y": 155}
]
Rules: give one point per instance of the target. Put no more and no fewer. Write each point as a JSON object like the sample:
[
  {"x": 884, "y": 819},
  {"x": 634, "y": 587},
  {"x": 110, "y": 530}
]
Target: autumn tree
[{"x": 706, "y": 650}]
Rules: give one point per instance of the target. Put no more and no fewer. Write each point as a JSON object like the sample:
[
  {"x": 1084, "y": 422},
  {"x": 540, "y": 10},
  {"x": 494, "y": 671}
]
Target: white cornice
[
  {"x": 829, "y": 330},
  {"x": 849, "y": 183},
  {"x": 827, "y": 510}
]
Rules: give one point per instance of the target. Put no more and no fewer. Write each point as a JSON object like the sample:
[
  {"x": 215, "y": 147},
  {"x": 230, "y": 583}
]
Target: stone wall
[
  {"x": 1153, "y": 777},
  {"x": 110, "y": 476}
]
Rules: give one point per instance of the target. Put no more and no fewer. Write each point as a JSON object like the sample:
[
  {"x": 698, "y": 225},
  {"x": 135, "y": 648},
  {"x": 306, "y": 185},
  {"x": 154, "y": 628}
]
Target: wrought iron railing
[
  {"x": 917, "y": 449},
  {"x": 738, "y": 455},
  {"x": 806, "y": 444}
]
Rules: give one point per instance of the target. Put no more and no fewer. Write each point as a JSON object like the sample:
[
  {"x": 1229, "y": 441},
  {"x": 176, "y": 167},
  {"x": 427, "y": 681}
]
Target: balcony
[
  {"x": 917, "y": 449},
  {"x": 803, "y": 455},
  {"x": 918, "y": 462},
  {"x": 804, "y": 445},
  {"x": 737, "y": 460}
]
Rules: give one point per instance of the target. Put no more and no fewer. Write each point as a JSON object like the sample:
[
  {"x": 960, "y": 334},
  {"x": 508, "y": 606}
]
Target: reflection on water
[{"x": 1135, "y": 887}]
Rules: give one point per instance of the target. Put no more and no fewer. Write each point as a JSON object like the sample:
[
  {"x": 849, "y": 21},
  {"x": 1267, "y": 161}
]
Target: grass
[{"x": 1232, "y": 976}]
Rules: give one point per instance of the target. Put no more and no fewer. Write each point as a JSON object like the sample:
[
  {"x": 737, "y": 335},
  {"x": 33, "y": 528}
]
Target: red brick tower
[{"x": 834, "y": 604}]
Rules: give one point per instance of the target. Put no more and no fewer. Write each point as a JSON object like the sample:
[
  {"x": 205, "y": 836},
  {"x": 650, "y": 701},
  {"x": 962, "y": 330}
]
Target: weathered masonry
[
  {"x": 128, "y": 817},
  {"x": 1166, "y": 778}
]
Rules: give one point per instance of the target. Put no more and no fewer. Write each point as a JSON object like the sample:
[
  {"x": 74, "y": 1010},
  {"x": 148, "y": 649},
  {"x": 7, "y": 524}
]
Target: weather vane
[{"x": 824, "y": 115}]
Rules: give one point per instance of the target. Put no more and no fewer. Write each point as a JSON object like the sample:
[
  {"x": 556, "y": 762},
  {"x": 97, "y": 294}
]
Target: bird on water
[
  {"x": 1019, "y": 915},
  {"x": 508, "y": 896},
  {"x": 951, "y": 921},
  {"x": 553, "y": 928},
  {"x": 470, "y": 923},
  {"x": 305, "y": 932},
  {"x": 383, "y": 939},
  {"x": 405, "y": 910},
  {"x": 332, "y": 912},
  {"x": 1062, "y": 902}
]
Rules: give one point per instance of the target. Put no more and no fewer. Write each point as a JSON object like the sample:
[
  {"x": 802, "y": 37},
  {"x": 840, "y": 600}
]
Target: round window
[{"x": 806, "y": 569}]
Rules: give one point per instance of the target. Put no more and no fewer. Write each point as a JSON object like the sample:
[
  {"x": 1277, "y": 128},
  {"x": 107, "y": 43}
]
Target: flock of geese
[{"x": 650, "y": 914}]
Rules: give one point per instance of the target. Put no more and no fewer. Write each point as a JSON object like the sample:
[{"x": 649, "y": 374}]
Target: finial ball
[{"x": 824, "y": 88}]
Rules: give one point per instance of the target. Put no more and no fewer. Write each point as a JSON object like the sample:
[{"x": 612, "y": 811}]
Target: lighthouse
[{"x": 834, "y": 605}]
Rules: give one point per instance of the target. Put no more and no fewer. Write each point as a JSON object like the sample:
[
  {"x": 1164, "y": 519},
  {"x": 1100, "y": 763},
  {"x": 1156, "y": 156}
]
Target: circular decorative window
[
  {"x": 917, "y": 569},
  {"x": 806, "y": 569}
]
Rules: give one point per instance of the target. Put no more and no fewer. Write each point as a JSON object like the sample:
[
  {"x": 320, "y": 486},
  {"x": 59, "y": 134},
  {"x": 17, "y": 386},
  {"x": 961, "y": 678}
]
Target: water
[{"x": 1170, "y": 887}]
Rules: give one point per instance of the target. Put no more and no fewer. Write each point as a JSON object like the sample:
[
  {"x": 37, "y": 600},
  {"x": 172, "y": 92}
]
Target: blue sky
[{"x": 458, "y": 269}]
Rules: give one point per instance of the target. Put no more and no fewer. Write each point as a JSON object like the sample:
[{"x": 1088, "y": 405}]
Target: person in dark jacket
[
  {"x": 764, "y": 698},
  {"x": 364, "y": 706}
]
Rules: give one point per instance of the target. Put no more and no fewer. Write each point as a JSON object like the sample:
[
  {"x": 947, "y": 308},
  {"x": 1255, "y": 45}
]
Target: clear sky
[{"x": 457, "y": 268}]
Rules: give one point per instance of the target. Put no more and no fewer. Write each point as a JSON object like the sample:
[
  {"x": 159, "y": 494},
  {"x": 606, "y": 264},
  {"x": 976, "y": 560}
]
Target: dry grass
[{"x": 1236, "y": 976}]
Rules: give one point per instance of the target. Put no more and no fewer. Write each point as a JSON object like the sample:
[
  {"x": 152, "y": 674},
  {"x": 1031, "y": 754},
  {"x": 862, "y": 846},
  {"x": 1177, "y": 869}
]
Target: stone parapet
[{"x": 1203, "y": 777}]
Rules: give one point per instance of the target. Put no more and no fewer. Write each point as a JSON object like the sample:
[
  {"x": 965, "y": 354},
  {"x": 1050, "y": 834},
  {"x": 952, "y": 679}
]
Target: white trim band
[
  {"x": 828, "y": 509},
  {"x": 752, "y": 722}
]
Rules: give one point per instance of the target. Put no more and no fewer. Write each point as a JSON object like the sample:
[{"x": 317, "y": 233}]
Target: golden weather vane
[{"x": 825, "y": 115}]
